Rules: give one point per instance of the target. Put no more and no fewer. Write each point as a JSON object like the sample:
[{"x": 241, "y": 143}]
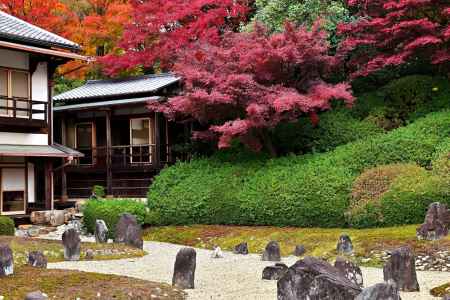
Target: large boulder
[
  {"x": 274, "y": 272},
  {"x": 72, "y": 244},
  {"x": 401, "y": 269},
  {"x": 51, "y": 217},
  {"x": 272, "y": 252},
  {"x": 39, "y": 217},
  {"x": 315, "y": 279},
  {"x": 242, "y": 248},
  {"x": 184, "y": 269},
  {"x": 37, "y": 259},
  {"x": 129, "y": 232},
  {"x": 380, "y": 291},
  {"x": 436, "y": 224},
  {"x": 101, "y": 231},
  {"x": 57, "y": 217},
  {"x": 349, "y": 270},
  {"x": 344, "y": 245},
  {"x": 36, "y": 296},
  {"x": 6, "y": 261}
]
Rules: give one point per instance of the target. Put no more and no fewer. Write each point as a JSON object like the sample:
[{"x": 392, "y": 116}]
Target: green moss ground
[
  {"x": 441, "y": 291},
  {"x": 318, "y": 242}
]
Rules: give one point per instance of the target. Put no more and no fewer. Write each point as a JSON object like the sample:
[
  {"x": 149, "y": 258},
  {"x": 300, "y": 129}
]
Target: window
[
  {"x": 142, "y": 140},
  {"x": 84, "y": 142},
  {"x": 14, "y": 84},
  {"x": 13, "y": 186}
]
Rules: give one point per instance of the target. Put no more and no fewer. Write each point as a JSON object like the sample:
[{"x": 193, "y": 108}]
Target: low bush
[
  {"x": 110, "y": 210},
  {"x": 6, "y": 226},
  {"x": 307, "y": 190}
]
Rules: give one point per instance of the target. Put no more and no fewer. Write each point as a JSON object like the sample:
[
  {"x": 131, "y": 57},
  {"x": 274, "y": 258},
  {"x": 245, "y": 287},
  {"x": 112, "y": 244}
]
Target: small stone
[
  {"x": 101, "y": 231},
  {"x": 36, "y": 296},
  {"x": 89, "y": 254},
  {"x": 380, "y": 291},
  {"x": 6, "y": 261},
  {"x": 344, "y": 245},
  {"x": 37, "y": 259},
  {"x": 272, "y": 252},
  {"x": 349, "y": 270},
  {"x": 217, "y": 253},
  {"x": 184, "y": 269},
  {"x": 299, "y": 250},
  {"x": 274, "y": 272},
  {"x": 72, "y": 245},
  {"x": 242, "y": 248},
  {"x": 401, "y": 269}
]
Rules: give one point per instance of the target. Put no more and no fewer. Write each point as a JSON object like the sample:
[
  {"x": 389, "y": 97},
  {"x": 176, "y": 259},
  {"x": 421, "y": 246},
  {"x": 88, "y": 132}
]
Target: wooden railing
[
  {"x": 23, "y": 108},
  {"x": 124, "y": 156}
]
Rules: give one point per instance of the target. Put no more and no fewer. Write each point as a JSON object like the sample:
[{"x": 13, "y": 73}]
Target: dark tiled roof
[
  {"x": 95, "y": 89},
  {"x": 14, "y": 29}
]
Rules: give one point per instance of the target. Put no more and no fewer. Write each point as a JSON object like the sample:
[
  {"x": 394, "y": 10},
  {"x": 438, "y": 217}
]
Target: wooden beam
[
  {"x": 64, "y": 195},
  {"x": 48, "y": 167},
  {"x": 109, "y": 187},
  {"x": 50, "y": 52},
  {"x": 157, "y": 155}
]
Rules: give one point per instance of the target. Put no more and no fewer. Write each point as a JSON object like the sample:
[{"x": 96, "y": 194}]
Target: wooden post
[
  {"x": 48, "y": 171},
  {"x": 109, "y": 187},
  {"x": 157, "y": 154},
  {"x": 64, "y": 195}
]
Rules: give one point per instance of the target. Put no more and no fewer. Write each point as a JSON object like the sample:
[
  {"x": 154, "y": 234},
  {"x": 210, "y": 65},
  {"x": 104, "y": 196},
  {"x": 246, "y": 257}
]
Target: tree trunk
[{"x": 267, "y": 143}]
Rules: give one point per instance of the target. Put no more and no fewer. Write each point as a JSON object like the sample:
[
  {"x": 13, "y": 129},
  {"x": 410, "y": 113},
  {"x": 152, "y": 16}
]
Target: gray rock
[
  {"x": 37, "y": 259},
  {"x": 380, "y": 291},
  {"x": 344, "y": 245},
  {"x": 299, "y": 250},
  {"x": 72, "y": 244},
  {"x": 36, "y": 296},
  {"x": 401, "y": 269},
  {"x": 101, "y": 231},
  {"x": 242, "y": 248},
  {"x": 349, "y": 270},
  {"x": 129, "y": 232},
  {"x": 89, "y": 254},
  {"x": 446, "y": 297},
  {"x": 217, "y": 252},
  {"x": 436, "y": 224},
  {"x": 184, "y": 269},
  {"x": 272, "y": 252},
  {"x": 315, "y": 279},
  {"x": 274, "y": 272},
  {"x": 6, "y": 261}
]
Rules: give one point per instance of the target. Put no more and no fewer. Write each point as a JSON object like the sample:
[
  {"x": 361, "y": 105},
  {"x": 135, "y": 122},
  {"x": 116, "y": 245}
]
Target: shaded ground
[
  {"x": 368, "y": 243},
  {"x": 54, "y": 251},
  {"x": 64, "y": 284}
]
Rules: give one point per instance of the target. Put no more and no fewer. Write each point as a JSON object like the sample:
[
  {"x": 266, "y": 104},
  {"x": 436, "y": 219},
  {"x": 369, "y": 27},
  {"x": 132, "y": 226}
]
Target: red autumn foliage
[
  {"x": 244, "y": 85},
  {"x": 160, "y": 28},
  {"x": 394, "y": 32}
]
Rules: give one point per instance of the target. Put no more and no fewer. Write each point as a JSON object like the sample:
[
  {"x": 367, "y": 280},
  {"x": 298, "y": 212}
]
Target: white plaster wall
[
  {"x": 13, "y": 138},
  {"x": 14, "y": 59},
  {"x": 31, "y": 184},
  {"x": 39, "y": 85}
]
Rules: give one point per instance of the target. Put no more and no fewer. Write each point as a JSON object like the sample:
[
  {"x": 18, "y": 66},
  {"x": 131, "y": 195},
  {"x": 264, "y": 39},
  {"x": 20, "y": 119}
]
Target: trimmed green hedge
[
  {"x": 110, "y": 210},
  {"x": 308, "y": 190},
  {"x": 6, "y": 226}
]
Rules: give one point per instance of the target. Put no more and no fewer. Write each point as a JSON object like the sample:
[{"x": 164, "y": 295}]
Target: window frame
[{"x": 9, "y": 71}]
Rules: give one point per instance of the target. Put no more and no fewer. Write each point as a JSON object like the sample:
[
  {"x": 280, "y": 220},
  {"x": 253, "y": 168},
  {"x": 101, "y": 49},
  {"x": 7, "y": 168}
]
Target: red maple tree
[
  {"x": 393, "y": 32},
  {"x": 160, "y": 28},
  {"x": 247, "y": 83}
]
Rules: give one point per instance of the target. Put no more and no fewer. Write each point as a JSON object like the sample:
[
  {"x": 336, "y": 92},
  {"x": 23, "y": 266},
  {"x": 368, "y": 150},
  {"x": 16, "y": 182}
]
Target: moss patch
[
  {"x": 54, "y": 250},
  {"x": 440, "y": 291},
  {"x": 62, "y": 284},
  {"x": 368, "y": 243}
]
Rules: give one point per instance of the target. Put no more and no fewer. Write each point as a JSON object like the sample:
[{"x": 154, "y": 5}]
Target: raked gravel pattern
[{"x": 231, "y": 277}]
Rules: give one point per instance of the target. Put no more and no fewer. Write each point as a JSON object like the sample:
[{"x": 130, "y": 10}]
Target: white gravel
[{"x": 231, "y": 277}]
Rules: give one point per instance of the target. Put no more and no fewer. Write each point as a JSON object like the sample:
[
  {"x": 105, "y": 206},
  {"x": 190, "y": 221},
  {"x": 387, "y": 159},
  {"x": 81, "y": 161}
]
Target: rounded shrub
[
  {"x": 6, "y": 226},
  {"x": 110, "y": 211}
]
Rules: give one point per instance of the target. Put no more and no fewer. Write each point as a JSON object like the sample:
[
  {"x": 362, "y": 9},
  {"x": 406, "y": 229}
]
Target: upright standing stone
[
  {"x": 349, "y": 270},
  {"x": 72, "y": 244},
  {"x": 344, "y": 245},
  {"x": 242, "y": 248},
  {"x": 437, "y": 223},
  {"x": 101, "y": 231},
  {"x": 272, "y": 252},
  {"x": 184, "y": 269},
  {"x": 401, "y": 269},
  {"x": 128, "y": 231},
  {"x": 37, "y": 259},
  {"x": 36, "y": 296},
  {"x": 380, "y": 291},
  {"x": 6, "y": 261},
  {"x": 314, "y": 279}
]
